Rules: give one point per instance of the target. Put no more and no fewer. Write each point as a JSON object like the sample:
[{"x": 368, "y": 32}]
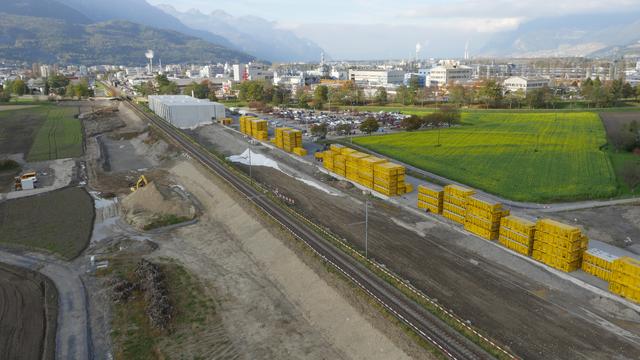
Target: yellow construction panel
[
  {"x": 460, "y": 211},
  {"x": 300, "y": 151},
  {"x": 487, "y": 206},
  {"x": 456, "y": 200},
  {"x": 599, "y": 258},
  {"x": 458, "y": 191},
  {"x": 514, "y": 245},
  {"x": 453, "y": 216},
  {"x": 423, "y": 189},
  {"x": 482, "y": 223},
  {"x": 523, "y": 239},
  {"x": 597, "y": 271},
  {"x": 480, "y": 231},
  {"x": 627, "y": 265},
  {"x": 559, "y": 229},
  {"x": 517, "y": 224},
  {"x": 336, "y": 147},
  {"x": 624, "y": 291},
  {"x": 481, "y": 213},
  {"x": 436, "y": 209}
]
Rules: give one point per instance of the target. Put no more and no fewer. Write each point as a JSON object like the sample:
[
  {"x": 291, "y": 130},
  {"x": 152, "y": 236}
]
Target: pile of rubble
[
  {"x": 155, "y": 293},
  {"x": 151, "y": 281}
]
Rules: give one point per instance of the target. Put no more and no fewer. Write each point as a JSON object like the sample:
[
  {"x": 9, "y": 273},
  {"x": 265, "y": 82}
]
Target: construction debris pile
[
  {"x": 150, "y": 280},
  {"x": 152, "y": 283},
  {"x": 369, "y": 171}
]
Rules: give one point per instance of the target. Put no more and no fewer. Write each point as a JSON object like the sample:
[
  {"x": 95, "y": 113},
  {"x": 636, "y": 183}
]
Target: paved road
[
  {"x": 514, "y": 204},
  {"x": 72, "y": 337}
]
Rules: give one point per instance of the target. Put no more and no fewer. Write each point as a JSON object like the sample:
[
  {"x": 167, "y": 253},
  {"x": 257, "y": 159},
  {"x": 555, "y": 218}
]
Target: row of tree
[{"x": 55, "y": 84}]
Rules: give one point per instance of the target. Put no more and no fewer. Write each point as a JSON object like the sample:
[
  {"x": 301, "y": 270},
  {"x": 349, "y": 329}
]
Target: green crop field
[
  {"x": 59, "y": 137},
  {"x": 542, "y": 157}
]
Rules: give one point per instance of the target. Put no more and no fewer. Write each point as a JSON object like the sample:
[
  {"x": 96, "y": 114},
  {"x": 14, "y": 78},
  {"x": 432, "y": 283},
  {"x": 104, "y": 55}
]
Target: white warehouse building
[
  {"x": 377, "y": 77},
  {"x": 450, "y": 73},
  {"x": 186, "y": 112},
  {"x": 515, "y": 83}
]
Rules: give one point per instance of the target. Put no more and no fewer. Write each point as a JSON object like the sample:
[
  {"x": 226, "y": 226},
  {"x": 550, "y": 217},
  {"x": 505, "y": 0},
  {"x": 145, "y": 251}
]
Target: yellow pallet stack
[
  {"x": 482, "y": 217},
  {"x": 259, "y": 129},
  {"x": 598, "y": 263},
  {"x": 340, "y": 165},
  {"x": 327, "y": 159},
  {"x": 365, "y": 170},
  {"x": 291, "y": 139},
  {"x": 517, "y": 234},
  {"x": 430, "y": 199},
  {"x": 352, "y": 166},
  {"x": 280, "y": 136},
  {"x": 337, "y": 148},
  {"x": 559, "y": 245},
  {"x": 455, "y": 202},
  {"x": 245, "y": 124},
  {"x": 300, "y": 151},
  {"x": 625, "y": 278},
  {"x": 388, "y": 178}
]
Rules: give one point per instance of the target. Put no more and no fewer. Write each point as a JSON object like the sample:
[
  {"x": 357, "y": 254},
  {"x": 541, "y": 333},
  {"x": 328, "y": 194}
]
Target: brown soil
[
  {"x": 18, "y": 130},
  {"x": 28, "y": 314},
  {"x": 149, "y": 202},
  {"x": 496, "y": 299}
]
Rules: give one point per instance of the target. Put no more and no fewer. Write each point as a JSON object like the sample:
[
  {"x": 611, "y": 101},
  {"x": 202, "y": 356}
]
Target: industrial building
[
  {"x": 186, "y": 112},
  {"x": 450, "y": 72},
  {"x": 516, "y": 83},
  {"x": 377, "y": 77}
]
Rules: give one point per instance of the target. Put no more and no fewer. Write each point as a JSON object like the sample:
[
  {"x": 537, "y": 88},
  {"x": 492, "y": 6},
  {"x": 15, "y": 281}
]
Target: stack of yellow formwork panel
[
  {"x": 337, "y": 148},
  {"x": 245, "y": 124},
  {"x": 559, "y": 245},
  {"x": 291, "y": 139},
  {"x": 517, "y": 234},
  {"x": 352, "y": 165},
  {"x": 365, "y": 170},
  {"x": 280, "y": 136},
  {"x": 430, "y": 199},
  {"x": 482, "y": 218},
  {"x": 300, "y": 151},
  {"x": 327, "y": 159},
  {"x": 347, "y": 151},
  {"x": 625, "y": 278},
  {"x": 455, "y": 202},
  {"x": 408, "y": 188},
  {"x": 598, "y": 263},
  {"x": 259, "y": 129},
  {"x": 388, "y": 178},
  {"x": 340, "y": 165}
]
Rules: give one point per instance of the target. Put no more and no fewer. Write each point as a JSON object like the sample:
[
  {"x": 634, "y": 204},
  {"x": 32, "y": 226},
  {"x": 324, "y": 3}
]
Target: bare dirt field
[
  {"x": 28, "y": 312},
  {"x": 58, "y": 222}
]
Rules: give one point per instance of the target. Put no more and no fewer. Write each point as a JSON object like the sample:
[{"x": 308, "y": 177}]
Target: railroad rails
[{"x": 447, "y": 340}]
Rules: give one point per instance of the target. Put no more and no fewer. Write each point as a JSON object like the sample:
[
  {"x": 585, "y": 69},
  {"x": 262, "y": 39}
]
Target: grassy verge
[
  {"x": 135, "y": 338},
  {"x": 165, "y": 220}
]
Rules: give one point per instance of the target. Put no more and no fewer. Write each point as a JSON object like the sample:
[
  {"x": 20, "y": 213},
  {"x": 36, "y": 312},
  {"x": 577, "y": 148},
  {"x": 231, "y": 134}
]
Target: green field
[
  {"x": 59, "y": 137},
  {"x": 541, "y": 157}
]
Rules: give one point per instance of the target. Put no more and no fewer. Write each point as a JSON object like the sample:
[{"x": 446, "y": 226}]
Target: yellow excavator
[{"x": 142, "y": 182}]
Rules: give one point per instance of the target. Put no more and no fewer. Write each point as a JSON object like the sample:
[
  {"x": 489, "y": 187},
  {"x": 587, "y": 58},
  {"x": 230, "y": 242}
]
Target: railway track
[{"x": 449, "y": 342}]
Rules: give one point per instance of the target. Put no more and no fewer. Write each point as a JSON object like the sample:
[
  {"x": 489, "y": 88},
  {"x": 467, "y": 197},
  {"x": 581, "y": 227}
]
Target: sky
[{"x": 364, "y": 29}]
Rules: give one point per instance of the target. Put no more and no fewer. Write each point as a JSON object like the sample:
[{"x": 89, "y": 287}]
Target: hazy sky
[{"x": 384, "y": 28}]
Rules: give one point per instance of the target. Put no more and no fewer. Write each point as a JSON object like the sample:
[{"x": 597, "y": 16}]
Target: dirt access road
[
  {"x": 28, "y": 308},
  {"x": 72, "y": 338},
  {"x": 524, "y": 306}
]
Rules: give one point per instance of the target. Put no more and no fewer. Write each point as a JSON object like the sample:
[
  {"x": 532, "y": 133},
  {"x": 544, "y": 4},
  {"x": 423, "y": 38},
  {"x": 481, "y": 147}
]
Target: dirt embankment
[{"x": 28, "y": 315}]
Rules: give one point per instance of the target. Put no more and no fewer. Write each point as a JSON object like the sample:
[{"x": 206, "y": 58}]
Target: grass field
[
  {"x": 541, "y": 157},
  {"x": 18, "y": 128},
  {"x": 58, "y": 222},
  {"x": 59, "y": 137}
]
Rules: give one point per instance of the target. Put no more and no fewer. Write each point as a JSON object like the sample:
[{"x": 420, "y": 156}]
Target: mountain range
[
  {"x": 52, "y": 32},
  {"x": 250, "y": 34},
  {"x": 592, "y": 35}
]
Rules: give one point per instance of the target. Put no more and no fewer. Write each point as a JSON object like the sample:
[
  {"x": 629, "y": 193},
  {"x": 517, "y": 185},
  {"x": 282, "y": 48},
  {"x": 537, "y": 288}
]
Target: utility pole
[{"x": 366, "y": 229}]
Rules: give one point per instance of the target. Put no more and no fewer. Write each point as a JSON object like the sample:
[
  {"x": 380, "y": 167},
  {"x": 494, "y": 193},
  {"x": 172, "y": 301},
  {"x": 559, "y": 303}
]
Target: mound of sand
[{"x": 148, "y": 204}]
